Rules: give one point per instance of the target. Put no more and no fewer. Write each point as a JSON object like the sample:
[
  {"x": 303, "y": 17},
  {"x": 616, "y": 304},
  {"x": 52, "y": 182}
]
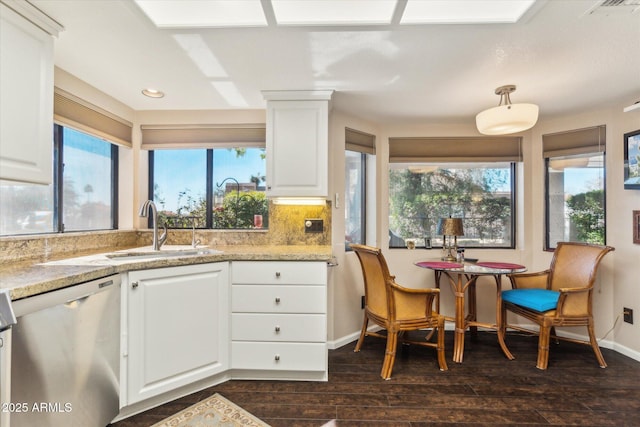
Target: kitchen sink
[{"x": 165, "y": 253}]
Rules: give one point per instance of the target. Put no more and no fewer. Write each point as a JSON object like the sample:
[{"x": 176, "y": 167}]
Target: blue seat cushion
[{"x": 535, "y": 299}]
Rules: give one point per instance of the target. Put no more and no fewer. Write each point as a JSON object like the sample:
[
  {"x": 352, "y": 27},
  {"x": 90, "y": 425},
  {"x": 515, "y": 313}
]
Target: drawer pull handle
[
  {"x": 277, "y": 328},
  {"x": 277, "y": 358},
  {"x": 277, "y": 274},
  {"x": 277, "y": 300},
  {"x": 134, "y": 285}
]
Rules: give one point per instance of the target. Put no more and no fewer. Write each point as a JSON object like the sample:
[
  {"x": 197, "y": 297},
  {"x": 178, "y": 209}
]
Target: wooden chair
[
  {"x": 559, "y": 296},
  {"x": 396, "y": 309}
]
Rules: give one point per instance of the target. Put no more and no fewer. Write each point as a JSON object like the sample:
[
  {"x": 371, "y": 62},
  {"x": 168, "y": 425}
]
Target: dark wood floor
[{"x": 485, "y": 390}]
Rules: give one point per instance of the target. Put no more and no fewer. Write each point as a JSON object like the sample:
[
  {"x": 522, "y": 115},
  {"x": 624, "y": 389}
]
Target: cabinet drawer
[
  {"x": 279, "y": 327},
  {"x": 279, "y": 272},
  {"x": 278, "y": 299},
  {"x": 279, "y": 356}
]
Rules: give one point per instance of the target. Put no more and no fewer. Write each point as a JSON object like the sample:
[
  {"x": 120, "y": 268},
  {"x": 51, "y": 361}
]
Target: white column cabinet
[
  {"x": 297, "y": 143},
  {"x": 279, "y": 320},
  {"x": 177, "y": 327},
  {"x": 26, "y": 105}
]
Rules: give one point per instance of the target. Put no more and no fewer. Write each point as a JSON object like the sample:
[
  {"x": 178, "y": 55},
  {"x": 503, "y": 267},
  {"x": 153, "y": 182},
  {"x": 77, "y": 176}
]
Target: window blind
[
  {"x": 156, "y": 137},
  {"x": 358, "y": 141},
  {"x": 76, "y": 113},
  {"x": 455, "y": 149},
  {"x": 579, "y": 141}
]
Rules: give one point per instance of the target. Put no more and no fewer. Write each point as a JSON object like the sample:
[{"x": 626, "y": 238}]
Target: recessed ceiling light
[{"x": 152, "y": 93}]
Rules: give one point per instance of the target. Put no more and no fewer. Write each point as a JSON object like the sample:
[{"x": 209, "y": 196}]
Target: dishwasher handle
[
  {"x": 98, "y": 286},
  {"x": 65, "y": 295}
]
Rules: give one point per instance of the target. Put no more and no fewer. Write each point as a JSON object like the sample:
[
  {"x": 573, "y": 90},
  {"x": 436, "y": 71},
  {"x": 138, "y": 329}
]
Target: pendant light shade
[{"x": 507, "y": 117}]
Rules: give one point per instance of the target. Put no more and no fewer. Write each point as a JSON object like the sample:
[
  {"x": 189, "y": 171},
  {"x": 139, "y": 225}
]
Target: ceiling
[{"x": 563, "y": 55}]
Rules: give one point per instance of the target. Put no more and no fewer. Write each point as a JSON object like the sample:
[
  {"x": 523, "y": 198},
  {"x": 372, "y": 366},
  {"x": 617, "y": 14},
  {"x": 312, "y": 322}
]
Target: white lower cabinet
[
  {"x": 182, "y": 326},
  {"x": 279, "y": 319},
  {"x": 177, "y": 321}
]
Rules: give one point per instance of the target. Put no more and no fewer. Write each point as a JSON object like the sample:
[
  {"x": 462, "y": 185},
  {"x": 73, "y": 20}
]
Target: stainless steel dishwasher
[
  {"x": 7, "y": 320},
  {"x": 65, "y": 356}
]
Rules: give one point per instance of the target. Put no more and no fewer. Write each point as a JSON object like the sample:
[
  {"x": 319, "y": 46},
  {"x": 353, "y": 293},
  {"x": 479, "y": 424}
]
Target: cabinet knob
[
  {"x": 277, "y": 358},
  {"x": 277, "y": 328},
  {"x": 277, "y": 274},
  {"x": 277, "y": 300},
  {"x": 134, "y": 285}
]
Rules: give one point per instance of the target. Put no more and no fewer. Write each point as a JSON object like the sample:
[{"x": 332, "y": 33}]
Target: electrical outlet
[
  {"x": 313, "y": 225},
  {"x": 628, "y": 315}
]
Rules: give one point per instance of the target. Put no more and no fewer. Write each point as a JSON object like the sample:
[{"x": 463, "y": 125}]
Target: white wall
[
  {"x": 345, "y": 280},
  {"x": 619, "y": 277}
]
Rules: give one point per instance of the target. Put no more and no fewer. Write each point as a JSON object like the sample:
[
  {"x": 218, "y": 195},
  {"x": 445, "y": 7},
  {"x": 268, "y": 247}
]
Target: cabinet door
[
  {"x": 178, "y": 327},
  {"x": 26, "y": 104},
  {"x": 297, "y": 148}
]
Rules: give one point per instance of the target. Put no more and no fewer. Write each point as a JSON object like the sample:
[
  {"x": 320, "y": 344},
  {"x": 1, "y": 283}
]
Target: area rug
[{"x": 216, "y": 411}]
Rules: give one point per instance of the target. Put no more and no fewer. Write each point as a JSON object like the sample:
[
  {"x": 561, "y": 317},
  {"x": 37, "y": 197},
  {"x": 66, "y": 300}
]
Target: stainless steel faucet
[
  {"x": 194, "y": 242},
  {"x": 144, "y": 212}
]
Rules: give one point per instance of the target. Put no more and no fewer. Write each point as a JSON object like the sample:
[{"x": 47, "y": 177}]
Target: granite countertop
[{"x": 25, "y": 279}]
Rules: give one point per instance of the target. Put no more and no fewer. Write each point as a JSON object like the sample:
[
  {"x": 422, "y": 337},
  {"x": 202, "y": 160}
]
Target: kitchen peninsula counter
[{"x": 29, "y": 278}]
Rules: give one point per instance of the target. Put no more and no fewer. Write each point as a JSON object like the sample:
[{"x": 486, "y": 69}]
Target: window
[
  {"x": 481, "y": 194},
  {"x": 359, "y": 150},
  {"x": 83, "y": 196},
  {"x": 354, "y": 204},
  {"x": 178, "y": 186},
  {"x": 575, "y": 187},
  {"x": 221, "y": 188},
  {"x": 88, "y": 187},
  {"x": 472, "y": 178}
]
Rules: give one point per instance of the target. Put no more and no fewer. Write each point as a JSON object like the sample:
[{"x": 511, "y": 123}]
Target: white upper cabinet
[
  {"x": 297, "y": 143},
  {"x": 26, "y": 84}
]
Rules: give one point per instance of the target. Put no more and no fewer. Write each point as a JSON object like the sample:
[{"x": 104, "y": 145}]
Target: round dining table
[{"x": 462, "y": 277}]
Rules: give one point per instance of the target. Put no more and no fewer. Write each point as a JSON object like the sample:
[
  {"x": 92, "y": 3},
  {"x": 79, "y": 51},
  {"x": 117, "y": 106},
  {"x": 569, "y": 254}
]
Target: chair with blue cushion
[{"x": 559, "y": 296}]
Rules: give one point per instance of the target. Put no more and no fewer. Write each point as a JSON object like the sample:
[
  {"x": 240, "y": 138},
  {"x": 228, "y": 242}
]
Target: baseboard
[
  {"x": 347, "y": 339},
  {"x": 449, "y": 326},
  {"x": 161, "y": 399},
  {"x": 633, "y": 354},
  {"x": 611, "y": 345}
]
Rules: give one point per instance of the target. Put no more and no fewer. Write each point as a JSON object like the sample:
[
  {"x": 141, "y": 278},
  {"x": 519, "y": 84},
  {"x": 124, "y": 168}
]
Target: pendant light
[{"x": 507, "y": 117}]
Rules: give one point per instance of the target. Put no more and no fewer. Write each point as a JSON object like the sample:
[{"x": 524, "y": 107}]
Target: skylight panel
[
  {"x": 204, "y": 13},
  {"x": 464, "y": 11},
  {"x": 333, "y": 12}
]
